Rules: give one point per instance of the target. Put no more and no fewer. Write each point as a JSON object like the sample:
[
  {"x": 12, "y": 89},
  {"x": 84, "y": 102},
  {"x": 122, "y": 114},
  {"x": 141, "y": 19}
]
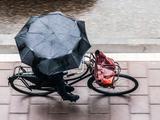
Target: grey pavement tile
[
  {"x": 154, "y": 95},
  {"x": 154, "y": 65},
  {"x": 7, "y": 65},
  {"x": 83, "y": 93},
  {"x": 4, "y": 110},
  {"x": 118, "y": 100},
  {"x": 140, "y": 116},
  {"x": 19, "y": 104},
  {"x": 4, "y": 95},
  {"x": 155, "y": 115},
  {"x": 82, "y": 83},
  {"x": 123, "y": 65},
  {"x": 154, "y": 77},
  {"x": 138, "y": 69},
  {"x": 119, "y": 112},
  {"x": 94, "y": 93},
  {"x": 16, "y": 93},
  {"x": 39, "y": 100},
  {"x": 4, "y": 74},
  {"x": 56, "y": 106},
  {"x": 124, "y": 72},
  {"x": 98, "y": 104},
  {"x": 18, "y": 117},
  {"x": 38, "y": 112},
  {"x": 142, "y": 88},
  {"x": 78, "y": 112},
  {"x": 58, "y": 116},
  {"x": 99, "y": 117},
  {"x": 139, "y": 104}
]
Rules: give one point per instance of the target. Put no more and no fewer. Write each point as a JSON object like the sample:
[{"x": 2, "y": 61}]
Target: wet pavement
[
  {"x": 106, "y": 20},
  {"x": 133, "y": 24},
  {"x": 14, "y": 13}
]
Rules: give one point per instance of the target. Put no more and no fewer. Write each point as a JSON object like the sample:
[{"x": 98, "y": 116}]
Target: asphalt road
[{"x": 130, "y": 25}]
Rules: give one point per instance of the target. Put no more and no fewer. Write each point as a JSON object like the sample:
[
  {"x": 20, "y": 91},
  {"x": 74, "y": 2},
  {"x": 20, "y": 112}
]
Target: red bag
[{"x": 104, "y": 69}]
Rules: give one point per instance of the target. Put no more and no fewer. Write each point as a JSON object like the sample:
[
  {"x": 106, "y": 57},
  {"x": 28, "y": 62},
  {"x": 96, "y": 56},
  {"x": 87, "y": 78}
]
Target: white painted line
[
  {"x": 115, "y": 56},
  {"x": 9, "y": 57}
]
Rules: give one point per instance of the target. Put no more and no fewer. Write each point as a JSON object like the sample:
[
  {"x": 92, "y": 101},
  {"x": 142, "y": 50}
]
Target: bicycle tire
[
  {"x": 109, "y": 93},
  {"x": 79, "y": 75},
  {"x": 15, "y": 78}
]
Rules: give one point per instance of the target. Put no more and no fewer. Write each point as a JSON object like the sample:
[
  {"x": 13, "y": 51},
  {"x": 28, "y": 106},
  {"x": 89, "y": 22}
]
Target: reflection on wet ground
[
  {"x": 12, "y": 10},
  {"x": 107, "y": 21},
  {"x": 16, "y": 11}
]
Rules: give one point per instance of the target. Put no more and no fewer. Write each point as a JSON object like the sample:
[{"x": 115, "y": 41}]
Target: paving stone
[
  {"x": 155, "y": 112},
  {"x": 39, "y": 100},
  {"x": 58, "y": 116},
  {"x": 4, "y": 95},
  {"x": 139, "y": 104},
  {"x": 83, "y": 93},
  {"x": 6, "y": 65},
  {"x": 18, "y": 117},
  {"x": 142, "y": 88},
  {"x": 119, "y": 112},
  {"x": 99, "y": 117},
  {"x": 82, "y": 83},
  {"x": 78, "y": 112},
  {"x": 58, "y": 106},
  {"x": 138, "y": 69},
  {"x": 119, "y": 100},
  {"x": 19, "y": 104},
  {"x": 98, "y": 104},
  {"x": 94, "y": 93},
  {"x": 38, "y": 112},
  {"x": 123, "y": 65},
  {"x": 124, "y": 72},
  {"x": 154, "y": 65},
  {"x": 154, "y": 95},
  {"x": 16, "y": 93},
  {"x": 154, "y": 78},
  {"x": 140, "y": 117},
  {"x": 4, "y": 74},
  {"x": 4, "y": 112}
]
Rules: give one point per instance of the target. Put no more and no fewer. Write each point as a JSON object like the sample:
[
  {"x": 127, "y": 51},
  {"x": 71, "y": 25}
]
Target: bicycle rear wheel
[
  {"x": 25, "y": 86},
  {"x": 124, "y": 85}
]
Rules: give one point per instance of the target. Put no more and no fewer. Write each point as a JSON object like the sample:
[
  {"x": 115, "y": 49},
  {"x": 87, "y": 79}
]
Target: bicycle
[{"x": 25, "y": 81}]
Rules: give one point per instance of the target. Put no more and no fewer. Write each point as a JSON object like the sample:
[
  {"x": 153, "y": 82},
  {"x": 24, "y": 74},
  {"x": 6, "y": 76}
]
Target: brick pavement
[{"x": 143, "y": 104}]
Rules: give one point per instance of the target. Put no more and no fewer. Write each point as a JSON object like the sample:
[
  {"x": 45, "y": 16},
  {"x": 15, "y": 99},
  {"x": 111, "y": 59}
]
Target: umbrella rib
[
  {"x": 49, "y": 29},
  {"x": 35, "y": 33},
  {"x": 47, "y": 26}
]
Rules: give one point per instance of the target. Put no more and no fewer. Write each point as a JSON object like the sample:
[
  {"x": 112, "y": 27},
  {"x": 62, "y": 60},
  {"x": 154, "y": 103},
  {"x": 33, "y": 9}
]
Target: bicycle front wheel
[
  {"x": 124, "y": 85},
  {"x": 25, "y": 86}
]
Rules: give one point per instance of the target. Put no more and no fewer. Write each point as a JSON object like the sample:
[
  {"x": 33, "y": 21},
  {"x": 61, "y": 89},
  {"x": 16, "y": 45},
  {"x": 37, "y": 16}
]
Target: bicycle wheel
[
  {"x": 125, "y": 84},
  {"x": 19, "y": 84},
  {"x": 77, "y": 73}
]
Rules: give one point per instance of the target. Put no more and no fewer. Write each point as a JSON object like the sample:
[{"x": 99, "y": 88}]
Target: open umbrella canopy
[{"x": 54, "y": 42}]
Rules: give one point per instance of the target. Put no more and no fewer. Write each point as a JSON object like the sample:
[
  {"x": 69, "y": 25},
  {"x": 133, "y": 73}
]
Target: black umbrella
[{"x": 55, "y": 41}]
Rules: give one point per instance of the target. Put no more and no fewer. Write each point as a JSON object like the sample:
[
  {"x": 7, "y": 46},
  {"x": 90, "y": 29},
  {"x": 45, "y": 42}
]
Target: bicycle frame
[
  {"x": 73, "y": 81},
  {"x": 48, "y": 83},
  {"x": 24, "y": 78}
]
